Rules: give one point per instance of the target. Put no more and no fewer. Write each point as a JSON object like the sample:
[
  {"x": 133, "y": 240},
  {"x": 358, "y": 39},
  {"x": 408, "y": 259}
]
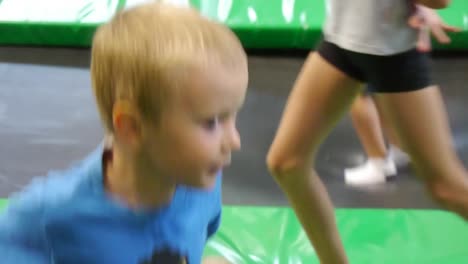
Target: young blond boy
[{"x": 168, "y": 84}]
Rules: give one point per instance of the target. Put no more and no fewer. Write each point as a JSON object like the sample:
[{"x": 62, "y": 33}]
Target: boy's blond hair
[{"x": 142, "y": 54}]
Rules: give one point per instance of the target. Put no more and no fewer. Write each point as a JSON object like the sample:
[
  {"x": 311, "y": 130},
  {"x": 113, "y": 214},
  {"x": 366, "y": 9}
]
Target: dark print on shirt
[{"x": 165, "y": 256}]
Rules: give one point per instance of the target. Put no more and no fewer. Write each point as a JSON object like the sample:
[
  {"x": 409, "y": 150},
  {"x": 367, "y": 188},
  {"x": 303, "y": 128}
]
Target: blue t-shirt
[{"x": 67, "y": 217}]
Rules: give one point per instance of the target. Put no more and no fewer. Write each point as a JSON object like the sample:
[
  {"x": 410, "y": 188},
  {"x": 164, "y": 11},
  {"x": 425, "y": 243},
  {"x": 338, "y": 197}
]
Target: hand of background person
[{"x": 428, "y": 22}]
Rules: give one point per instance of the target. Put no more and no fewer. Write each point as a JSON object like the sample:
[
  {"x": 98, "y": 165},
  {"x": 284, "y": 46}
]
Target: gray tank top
[{"x": 377, "y": 27}]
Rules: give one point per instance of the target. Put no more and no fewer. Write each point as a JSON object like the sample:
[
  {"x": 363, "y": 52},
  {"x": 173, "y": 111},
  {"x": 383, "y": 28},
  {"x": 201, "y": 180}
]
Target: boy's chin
[{"x": 207, "y": 182}]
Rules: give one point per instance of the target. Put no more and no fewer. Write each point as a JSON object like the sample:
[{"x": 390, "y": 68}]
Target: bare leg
[
  {"x": 367, "y": 125},
  {"x": 320, "y": 97},
  {"x": 388, "y": 130},
  {"x": 421, "y": 123},
  {"x": 396, "y": 151}
]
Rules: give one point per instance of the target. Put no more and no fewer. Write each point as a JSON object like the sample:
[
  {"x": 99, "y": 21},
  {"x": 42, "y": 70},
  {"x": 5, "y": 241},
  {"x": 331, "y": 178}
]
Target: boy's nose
[{"x": 232, "y": 141}]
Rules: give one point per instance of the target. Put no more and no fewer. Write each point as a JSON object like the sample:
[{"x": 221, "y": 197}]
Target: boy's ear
[{"x": 127, "y": 129}]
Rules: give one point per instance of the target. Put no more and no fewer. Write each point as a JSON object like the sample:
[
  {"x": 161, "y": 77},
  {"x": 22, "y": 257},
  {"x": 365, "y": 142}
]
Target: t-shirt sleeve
[
  {"x": 22, "y": 236},
  {"x": 215, "y": 221}
]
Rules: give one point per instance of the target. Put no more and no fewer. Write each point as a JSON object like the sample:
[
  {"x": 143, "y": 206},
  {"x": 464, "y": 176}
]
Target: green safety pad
[
  {"x": 259, "y": 23},
  {"x": 3, "y": 203},
  {"x": 251, "y": 235}
]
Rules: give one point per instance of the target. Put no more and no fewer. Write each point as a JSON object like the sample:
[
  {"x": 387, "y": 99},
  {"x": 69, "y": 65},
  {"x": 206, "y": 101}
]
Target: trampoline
[{"x": 48, "y": 120}]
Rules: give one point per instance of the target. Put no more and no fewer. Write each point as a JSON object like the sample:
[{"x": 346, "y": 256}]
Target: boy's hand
[{"x": 427, "y": 21}]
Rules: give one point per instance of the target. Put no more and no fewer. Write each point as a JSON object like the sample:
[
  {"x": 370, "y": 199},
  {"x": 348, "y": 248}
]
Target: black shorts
[{"x": 402, "y": 72}]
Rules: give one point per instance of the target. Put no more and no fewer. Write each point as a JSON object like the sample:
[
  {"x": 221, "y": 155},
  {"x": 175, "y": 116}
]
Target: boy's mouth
[
  {"x": 214, "y": 170},
  {"x": 216, "y": 167}
]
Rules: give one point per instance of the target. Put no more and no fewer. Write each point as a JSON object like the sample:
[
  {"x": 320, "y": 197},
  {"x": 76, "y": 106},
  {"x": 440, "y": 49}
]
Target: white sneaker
[
  {"x": 399, "y": 157},
  {"x": 374, "y": 171}
]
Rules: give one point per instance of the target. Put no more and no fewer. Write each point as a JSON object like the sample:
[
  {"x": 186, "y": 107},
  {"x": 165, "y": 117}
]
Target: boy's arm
[{"x": 22, "y": 237}]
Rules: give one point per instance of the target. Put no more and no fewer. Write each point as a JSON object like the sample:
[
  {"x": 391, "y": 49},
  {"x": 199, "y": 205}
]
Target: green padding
[
  {"x": 259, "y": 23},
  {"x": 251, "y": 235},
  {"x": 273, "y": 235},
  {"x": 270, "y": 23},
  {"x": 3, "y": 203}
]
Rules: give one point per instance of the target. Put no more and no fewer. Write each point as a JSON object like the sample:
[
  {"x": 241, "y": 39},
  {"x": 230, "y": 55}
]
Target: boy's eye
[{"x": 211, "y": 123}]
